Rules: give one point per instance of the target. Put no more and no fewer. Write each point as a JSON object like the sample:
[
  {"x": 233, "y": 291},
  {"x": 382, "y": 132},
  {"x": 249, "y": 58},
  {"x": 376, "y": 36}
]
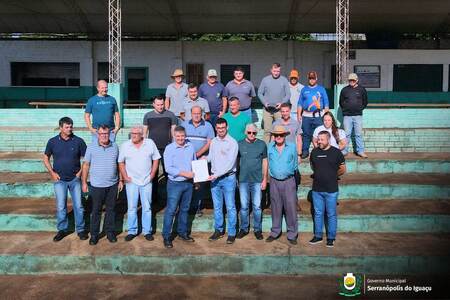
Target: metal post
[
  {"x": 342, "y": 45},
  {"x": 115, "y": 41}
]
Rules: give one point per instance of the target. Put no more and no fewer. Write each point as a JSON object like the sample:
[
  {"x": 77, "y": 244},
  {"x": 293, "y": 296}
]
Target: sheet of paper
[{"x": 200, "y": 169}]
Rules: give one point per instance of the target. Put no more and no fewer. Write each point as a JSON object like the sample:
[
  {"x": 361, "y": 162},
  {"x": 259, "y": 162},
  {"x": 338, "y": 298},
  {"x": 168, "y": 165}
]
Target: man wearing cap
[
  {"x": 252, "y": 180},
  {"x": 353, "y": 100},
  {"x": 283, "y": 187},
  {"x": 176, "y": 92},
  {"x": 312, "y": 105},
  {"x": 242, "y": 89},
  {"x": 273, "y": 90},
  {"x": 194, "y": 100},
  {"x": 212, "y": 90},
  {"x": 295, "y": 88}
]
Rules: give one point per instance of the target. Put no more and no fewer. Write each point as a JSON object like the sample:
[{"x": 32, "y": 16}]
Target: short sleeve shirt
[
  {"x": 66, "y": 155},
  {"x": 294, "y": 128},
  {"x": 188, "y": 104},
  {"x": 102, "y": 164},
  {"x": 213, "y": 94},
  {"x": 198, "y": 136},
  {"x": 176, "y": 97},
  {"x": 102, "y": 110},
  {"x": 159, "y": 127},
  {"x": 325, "y": 164},
  {"x": 245, "y": 91},
  {"x": 237, "y": 124},
  {"x": 251, "y": 156},
  {"x": 138, "y": 161},
  {"x": 333, "y": 142}
]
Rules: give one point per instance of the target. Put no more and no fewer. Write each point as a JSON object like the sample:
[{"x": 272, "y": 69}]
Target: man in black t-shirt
[
  {"x": 159, "y": 125},
  {"x": 328, "y": 164}
]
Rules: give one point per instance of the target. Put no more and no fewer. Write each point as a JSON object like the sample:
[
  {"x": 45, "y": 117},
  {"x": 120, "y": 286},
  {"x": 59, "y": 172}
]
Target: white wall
[{"x": 162, "y": 57}]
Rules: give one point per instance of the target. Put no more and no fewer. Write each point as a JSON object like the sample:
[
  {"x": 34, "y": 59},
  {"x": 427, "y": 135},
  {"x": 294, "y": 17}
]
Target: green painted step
[
  {"x": 378, "y": 163},
  {"x": 36, "y": 253}
]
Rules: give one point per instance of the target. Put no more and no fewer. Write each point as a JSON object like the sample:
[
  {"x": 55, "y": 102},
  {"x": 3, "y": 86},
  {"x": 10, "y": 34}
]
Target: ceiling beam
[{"x": 175, "y": 16}]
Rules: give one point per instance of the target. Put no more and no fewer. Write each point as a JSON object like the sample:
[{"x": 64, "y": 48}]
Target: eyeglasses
[
  {"x": 251, "y": 132},
  {"x": 278, "y": 135}
]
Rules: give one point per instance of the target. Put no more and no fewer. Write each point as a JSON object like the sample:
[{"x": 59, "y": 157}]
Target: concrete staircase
[{"x": 394, "y": 218}]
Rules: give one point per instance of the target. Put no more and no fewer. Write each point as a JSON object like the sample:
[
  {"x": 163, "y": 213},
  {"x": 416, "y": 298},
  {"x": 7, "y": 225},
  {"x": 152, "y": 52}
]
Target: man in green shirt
[
  {"x": 252, "y": 180},
  {"x": 236, "y": 120}
]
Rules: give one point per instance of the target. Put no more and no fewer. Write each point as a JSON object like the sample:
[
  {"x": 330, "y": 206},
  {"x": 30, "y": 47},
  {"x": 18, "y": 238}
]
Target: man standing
[
  {"x": 104, "y": 111},
  {"x": 100, "y": 161},
  {"x": 295, "y": 88},
  {"x": 223, "y": 155},
  {"x": 273, "y": 90},
  {"x": 138, "y": 165},
  {"x": 178, "y": 158},
  {"x": 66, "y": 150},
  {"x": 252, "y": 179},
  {"x": 328, "y": 164},
  {"x": 176, "y": 92},
  {"x": 292, "y": 125},
  {"x": 199, "y": 133},
  {"x": 353, "y": 100},
  {"x": 213, "y": 91},
  {"x": 242, "y": 89},
  {"x": 312, "y": 105},
  {"x": 194, "y": 100},
  {"x": 283, "y": 188},
  {"x": 236, "y": 119}
]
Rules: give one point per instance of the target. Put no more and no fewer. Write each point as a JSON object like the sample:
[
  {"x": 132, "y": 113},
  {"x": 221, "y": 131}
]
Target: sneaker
[
  {"x": 258, "y": 235},
  {"x": 149, "y": 237},
  {"x": 111, "y": 237},
  {"x": 83, "y": 235},
  {"x": 129, "y": 237},
  {"x": 315, "y": 240},
  {"x": 363, "y": 155},
  {"x": 330, "y": 243},
  {"x": 292, "y": 242},
  {"x": 216, "y": 235},
  {"x": 186, "y": 238},
  {"x": 305, "y": 156},
  {"x": 93, "y": 240},
  {"x": 199, "y": 213},
  {"x": 231, "y": 239},
  {"x": 60, "y": 235},
  {"x": 168, "y": 243},
  {"x": 241, "y": 234},
  {"x": 270, "y": 239}
]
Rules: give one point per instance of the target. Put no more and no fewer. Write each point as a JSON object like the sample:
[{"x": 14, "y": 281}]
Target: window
[
  {"x": 45, "y": 74},
  {"x": 102, "y": 71},
  {"x": 194, "y": 73},
  {"x": 368, "y": 76},
  {"x": 418, "y": 78},
  {"x": 226, "y": 72}
]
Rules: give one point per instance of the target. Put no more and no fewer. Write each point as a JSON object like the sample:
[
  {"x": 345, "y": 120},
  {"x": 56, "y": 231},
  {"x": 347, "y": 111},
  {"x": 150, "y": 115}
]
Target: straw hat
[
  {"x": 279, "y": 130},
  {"x": 177, "y": 72}
]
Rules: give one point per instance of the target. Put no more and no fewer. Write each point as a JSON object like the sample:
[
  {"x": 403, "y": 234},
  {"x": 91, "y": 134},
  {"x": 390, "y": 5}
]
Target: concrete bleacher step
[
  {"x": 352, "y": 186},
  {"x": 31, "y": 162},
  {"x": 413, "y": 215},
  {"x": 370, "y": 253}
]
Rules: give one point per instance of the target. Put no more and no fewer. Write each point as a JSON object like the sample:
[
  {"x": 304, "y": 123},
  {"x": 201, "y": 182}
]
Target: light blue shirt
[
  {"x": 198, "y": 136},
  {"x": 282, "y": 165},
  {"x": 178, "y": 159},
  {"x": 102, "y": 164},
  {"x": 138, "y": 161},
  {"x": 223, "y": 155}
]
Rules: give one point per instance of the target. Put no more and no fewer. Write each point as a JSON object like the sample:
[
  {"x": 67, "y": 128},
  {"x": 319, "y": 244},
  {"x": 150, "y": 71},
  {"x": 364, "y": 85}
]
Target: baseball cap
[
  {"x": 212, "y": 73},
  {"x": 353, "y": 76},
  {"x": 293, "y": 74}
]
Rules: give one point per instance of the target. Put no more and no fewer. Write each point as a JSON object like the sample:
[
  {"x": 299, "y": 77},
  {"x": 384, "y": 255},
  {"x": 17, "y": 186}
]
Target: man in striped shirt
[{"x": 100, "y": 161}]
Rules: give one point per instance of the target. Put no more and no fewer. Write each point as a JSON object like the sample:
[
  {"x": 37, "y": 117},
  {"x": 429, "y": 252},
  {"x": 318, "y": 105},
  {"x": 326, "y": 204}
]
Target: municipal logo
[{"x": 350, "y": 285}]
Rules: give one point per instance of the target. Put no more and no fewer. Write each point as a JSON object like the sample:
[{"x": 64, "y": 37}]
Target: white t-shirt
[
  {"x": 333, "y": 142},
  {"x": 295, "y": 94}
]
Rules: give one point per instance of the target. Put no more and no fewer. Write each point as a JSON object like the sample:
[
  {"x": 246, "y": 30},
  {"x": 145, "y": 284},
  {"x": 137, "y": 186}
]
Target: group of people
[{"x": 211, "y": 122}]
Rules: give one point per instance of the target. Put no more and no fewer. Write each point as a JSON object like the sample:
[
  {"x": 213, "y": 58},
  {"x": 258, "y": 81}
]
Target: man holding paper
[
  {"x": 223, "y": 155},
  {"x": 178, "y": 158},
  {"x": 199, "y": 133}
]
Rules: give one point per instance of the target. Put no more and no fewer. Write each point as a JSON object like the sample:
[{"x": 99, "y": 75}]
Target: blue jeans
[
  {"x": 350, "y": 123},
  {"x": 253, "y": 190},
  {"x": 322, "y": 202},
  {"x": 248, "y": 112},
  {"x": 309, "y": 124},
  {"x": 135, "y": 191},
  {"x": 178, "y": 192},
  {"x": 112, "y": 137},
  {"x": 61, "y": 189},
  {"x": 224, "y": 188},
  {"x": 197, "y": 196}
]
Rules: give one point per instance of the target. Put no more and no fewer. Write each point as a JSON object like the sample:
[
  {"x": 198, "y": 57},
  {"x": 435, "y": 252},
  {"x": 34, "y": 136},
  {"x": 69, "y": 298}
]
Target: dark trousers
[
  {"x": 309, "y": 124},
  {"x": 283, "y": 196},
  {"x": 108, "y": 196}
]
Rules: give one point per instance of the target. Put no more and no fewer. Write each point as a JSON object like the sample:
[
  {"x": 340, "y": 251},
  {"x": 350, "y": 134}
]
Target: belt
[
  {"x": 289, "y": 177},
  {"x": 226, "y": 175}
]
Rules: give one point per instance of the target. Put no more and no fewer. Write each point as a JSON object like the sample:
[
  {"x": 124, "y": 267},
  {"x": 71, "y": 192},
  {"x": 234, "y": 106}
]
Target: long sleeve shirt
[
  {"x": 353, "y": 100},
  {"x": 274, "y": 90},
  {"x": 282, "y": 165},
  {"x": 223, "y": 155},
  {"x": 178, "y": 159}
]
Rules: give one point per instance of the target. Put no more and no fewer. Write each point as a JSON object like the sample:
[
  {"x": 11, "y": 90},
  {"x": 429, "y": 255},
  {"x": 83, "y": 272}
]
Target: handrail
[
  {"x": 81, "y": 104},
  {"x": 445, "y": 105}
]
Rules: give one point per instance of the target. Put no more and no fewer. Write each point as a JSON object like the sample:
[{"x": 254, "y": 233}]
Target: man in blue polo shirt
[
  {"x": 213, "y": 91},
  {"x": 104, "y": 111},
  {"x": 66, "y": 150},
  {"x": 199, "y": 133},
  {"x": 100, "y": 161}
]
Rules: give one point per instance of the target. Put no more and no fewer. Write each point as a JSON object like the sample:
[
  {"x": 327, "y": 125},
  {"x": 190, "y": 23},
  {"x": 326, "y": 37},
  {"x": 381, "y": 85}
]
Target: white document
[{"x": 200, "y": 169}]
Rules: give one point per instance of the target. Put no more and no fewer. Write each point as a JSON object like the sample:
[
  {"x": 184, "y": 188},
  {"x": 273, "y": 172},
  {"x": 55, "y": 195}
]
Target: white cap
[
  {"x": 212, "y": 73},
  {"x": 353, "y": 76}
]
